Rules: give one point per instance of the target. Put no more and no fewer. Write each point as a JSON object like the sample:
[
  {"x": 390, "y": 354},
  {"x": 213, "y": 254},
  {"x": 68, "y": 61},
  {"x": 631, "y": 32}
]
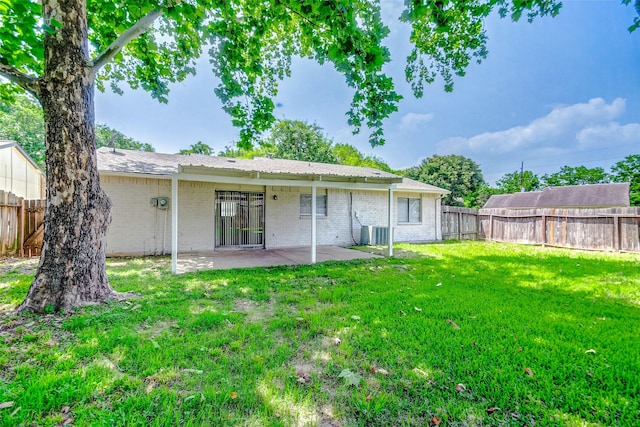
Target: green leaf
[{"x": 351, "y": 378}]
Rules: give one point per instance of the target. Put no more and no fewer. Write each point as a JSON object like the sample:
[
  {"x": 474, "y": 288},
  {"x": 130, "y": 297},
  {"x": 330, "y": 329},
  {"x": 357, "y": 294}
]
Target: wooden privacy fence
[
  {"x": 614, "y": 229},
  {"x": 21, "y": 225},
  {"x": 459, "y": 223}
]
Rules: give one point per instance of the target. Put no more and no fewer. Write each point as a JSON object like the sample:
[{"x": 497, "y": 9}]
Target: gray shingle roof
[
  {"x": 412, "y": 185},
  {"x": 575, "y": 196},
  {"x": 167, "y": 164},
  {"x": 141, "y": 162}
]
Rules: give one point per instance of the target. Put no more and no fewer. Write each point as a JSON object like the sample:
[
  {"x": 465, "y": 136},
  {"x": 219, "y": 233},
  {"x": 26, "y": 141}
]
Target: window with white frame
[
  {"x": 409, "y": 210},
  {"x": 305, "y": 204}
]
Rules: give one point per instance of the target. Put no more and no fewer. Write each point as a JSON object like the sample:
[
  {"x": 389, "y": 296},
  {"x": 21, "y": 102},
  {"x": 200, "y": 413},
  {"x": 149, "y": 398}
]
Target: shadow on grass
[{"x": 451, "y": 333}]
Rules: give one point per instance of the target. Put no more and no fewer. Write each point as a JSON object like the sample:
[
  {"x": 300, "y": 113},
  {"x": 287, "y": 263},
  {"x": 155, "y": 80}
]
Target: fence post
[
  {"x": 490, "y": 226},
  {"x": 544, "y": 230},
  {"x": 459, "y": 225},
  {"x": 21, "y": 214},
  {"x": 616, "y": 233}
]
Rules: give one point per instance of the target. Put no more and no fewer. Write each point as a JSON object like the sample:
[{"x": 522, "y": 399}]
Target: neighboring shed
[
  {"x": 168, "y": 203},
  {"x": 19, "y": 174},
  {"x": 574, "y": 196}
]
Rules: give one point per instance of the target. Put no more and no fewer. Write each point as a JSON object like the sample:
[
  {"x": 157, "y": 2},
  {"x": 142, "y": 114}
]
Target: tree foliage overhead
[{"x": 458, "y": 174}]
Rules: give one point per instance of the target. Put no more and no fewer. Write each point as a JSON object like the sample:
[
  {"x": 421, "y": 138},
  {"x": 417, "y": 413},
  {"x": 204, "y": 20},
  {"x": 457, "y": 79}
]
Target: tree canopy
[
  {"x": 197, "y": 148},
  {"x": 458, "y": 174},
  {"x": 579, "y": 175},
  {"x": 628, "y": 170},
  {"x": 22, "y": 121},
  {"x": 514, "y": 181}
]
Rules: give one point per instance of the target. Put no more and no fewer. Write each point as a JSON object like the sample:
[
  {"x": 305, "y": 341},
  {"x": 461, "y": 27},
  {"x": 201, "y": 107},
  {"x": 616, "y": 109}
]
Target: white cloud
[
  {"x": 584, "y": 133},
  {"x": 561, "y": 125},
  {"x": 596, "y": 136},
  {"x": 413, "y": 121}
]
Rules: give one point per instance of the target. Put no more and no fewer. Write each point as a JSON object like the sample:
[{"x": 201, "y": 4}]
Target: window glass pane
[
  {"x": 403, "y": 209},
  {"x": 321, "y": 204},
  {"x": 305, "y": 204},
  {"x": 414, "y": 210}
]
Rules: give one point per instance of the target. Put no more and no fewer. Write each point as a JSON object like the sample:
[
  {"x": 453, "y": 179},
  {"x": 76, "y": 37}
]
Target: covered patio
[{"x": 188, "y": 262}]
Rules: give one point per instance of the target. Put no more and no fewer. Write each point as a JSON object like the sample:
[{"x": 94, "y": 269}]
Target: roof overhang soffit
[{"x": 208, "y": 174}]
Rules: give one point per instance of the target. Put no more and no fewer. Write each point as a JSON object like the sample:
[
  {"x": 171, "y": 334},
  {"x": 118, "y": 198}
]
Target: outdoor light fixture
[{"x": 275, "y": 197}]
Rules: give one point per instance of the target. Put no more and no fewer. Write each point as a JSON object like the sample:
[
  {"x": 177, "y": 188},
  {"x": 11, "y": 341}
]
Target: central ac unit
[{"x": 373, "y": 235}]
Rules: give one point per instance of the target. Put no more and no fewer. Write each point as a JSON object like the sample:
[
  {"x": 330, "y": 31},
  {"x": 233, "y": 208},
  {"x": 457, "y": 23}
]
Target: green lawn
[{"x": 450, "y": 334}]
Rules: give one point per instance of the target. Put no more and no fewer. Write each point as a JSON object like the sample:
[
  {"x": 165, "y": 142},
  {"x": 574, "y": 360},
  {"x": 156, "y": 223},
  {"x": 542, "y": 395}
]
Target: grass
[{"x": 453, "y": 334}]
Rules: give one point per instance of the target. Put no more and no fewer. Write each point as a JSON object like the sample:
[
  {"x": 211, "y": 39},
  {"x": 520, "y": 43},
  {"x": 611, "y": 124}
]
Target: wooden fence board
[
  {"x": 459, "y": 223},
  {"x": 615, "y": 229},
  {"x": 21, "y": 221}
]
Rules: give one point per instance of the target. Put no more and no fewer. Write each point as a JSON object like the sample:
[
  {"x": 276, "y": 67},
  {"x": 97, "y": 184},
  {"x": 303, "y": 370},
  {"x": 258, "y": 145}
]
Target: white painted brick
[{"x": 139, "y": 228}]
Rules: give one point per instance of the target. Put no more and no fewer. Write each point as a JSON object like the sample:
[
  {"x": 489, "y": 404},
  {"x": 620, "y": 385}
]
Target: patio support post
[
  {"x": 174, "y": 224},
  {"x": 390, "y": 229},
  {"x": 313, "y": 223}
]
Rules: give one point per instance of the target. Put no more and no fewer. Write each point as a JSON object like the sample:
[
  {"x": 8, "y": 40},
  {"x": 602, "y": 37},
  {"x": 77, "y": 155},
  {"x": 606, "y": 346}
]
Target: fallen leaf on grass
[
  {"x": 350, "y": 377},
  {"x": 65, "y": 409},
  {"x": 434, "y": 422},
  {"x": 439, "y": 284},
  {"x": 591, "y": 351},
  {"x": 528, "y": 371},
  {"x": 369, "y": 397},
  {"x": 403, "y": 313},
  {"x": 417, "y": 309},
  {"x": 336, "y": 340},
  {"x": 193, "y": 371},
  {"x": 492, "y": 410},
  {"x": 5, "y": 405},
  {"x": 234, "y": 395},
  {"x": 461, "y": 387},
  {"x": 452, "y": 323},
  {"x": 380, "y": 371},
  {"x": 152, "y": 384},
  {"x": 354, "y": 317}
]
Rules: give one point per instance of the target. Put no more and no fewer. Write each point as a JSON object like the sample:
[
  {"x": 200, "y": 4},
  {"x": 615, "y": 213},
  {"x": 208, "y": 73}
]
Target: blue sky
[{"x": 560, "y": 91}]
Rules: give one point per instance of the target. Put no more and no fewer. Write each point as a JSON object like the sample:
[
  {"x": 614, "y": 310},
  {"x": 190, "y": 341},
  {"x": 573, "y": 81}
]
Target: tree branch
[
  {"x": 30, "y": 84},
  {"x": 134, "y": 31}
]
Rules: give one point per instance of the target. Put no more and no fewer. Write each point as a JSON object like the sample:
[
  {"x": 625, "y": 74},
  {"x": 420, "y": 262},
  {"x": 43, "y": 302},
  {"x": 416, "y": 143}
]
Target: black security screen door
[{"x": 239, "y": 219}]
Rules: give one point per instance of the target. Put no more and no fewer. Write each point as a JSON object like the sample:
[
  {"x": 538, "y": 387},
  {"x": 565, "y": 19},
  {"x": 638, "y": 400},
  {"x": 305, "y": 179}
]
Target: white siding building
[{"x": 19, "y": 174}]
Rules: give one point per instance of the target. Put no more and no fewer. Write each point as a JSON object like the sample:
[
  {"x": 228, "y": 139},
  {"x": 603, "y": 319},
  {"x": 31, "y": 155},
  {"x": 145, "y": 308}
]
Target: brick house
[{"x": 170, "y": 203}]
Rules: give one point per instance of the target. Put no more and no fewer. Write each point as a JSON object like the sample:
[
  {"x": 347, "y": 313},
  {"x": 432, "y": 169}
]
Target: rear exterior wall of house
[{"x": 138, "y": 228}]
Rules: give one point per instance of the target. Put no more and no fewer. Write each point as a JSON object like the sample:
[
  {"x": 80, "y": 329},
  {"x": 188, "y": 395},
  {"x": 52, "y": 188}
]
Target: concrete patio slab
[{"x": 228, "y": 259}]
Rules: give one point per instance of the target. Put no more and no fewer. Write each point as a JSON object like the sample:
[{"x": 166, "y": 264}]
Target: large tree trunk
[{"x": 71, "y": 272}]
